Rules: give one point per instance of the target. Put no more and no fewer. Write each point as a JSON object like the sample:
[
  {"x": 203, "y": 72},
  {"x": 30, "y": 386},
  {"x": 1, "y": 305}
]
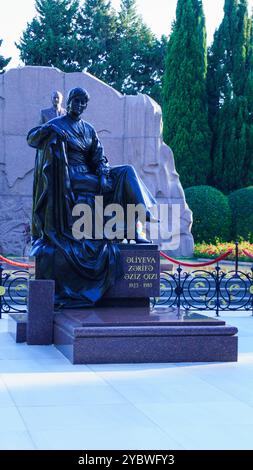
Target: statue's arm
[{"x": 36, "y": 137}]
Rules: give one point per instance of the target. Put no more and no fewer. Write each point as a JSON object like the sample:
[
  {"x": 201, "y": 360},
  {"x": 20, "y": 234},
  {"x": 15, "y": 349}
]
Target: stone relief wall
[{"x": 130, "y": 128}]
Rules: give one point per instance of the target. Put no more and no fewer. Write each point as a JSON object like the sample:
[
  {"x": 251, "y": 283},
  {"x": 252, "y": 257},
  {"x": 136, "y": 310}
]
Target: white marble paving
[
  {"x": 60, "y": 388},
  {"x": 16, "y": 440},
  {"x": 109, "y": 437},
  {"x": 48, "y": 403}
]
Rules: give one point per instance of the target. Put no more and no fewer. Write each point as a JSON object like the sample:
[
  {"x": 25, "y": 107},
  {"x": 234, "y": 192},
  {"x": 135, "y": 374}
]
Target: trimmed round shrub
[
  {"x": 211, "y": 214},
  {"x": 241, "y": 204}
]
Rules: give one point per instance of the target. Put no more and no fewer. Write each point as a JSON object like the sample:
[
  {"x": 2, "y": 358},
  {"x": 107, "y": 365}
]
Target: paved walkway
[{"x": 47, "y": 403}]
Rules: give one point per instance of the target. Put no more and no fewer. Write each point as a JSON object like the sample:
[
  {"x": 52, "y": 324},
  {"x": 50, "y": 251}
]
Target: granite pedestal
[
  {"x": 40, "y": 312},
  {"x": 123, "y": 328},
  {"x": 140, "y": 277},
  {"x": 140, "y": 273},
  {"x": 142, "y": 335},
  {"x": 17, "y": 324}
]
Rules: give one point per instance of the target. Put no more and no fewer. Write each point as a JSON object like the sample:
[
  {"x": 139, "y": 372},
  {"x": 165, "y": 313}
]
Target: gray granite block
[
  {"x": 40, "y": 312},
  {"x": 17, "y": 323}
]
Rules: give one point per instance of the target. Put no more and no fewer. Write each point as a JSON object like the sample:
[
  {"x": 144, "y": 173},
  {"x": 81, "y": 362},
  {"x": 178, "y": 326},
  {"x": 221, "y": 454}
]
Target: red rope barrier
[
  {"x": 247, "y": 253},
  {"x": 196, "y": 265},
  {"x": 181, "y": 263},
  {"x": 15, "y": 263}
]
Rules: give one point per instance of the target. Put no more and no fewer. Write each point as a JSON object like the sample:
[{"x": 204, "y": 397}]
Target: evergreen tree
[
  {"x": 139, "y": 55},
  {"x": 230, "y": 94},
  {"x": 185, "y": 114},
  {"x": 3, "y": 61},
  {"x": 50, "y": 39},
  {"x": 135, "y": 43},
  {"x": 96, "y": 30},
  {"x": 119, "y": 48}
]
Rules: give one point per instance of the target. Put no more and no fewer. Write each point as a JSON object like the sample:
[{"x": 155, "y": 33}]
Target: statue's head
[
  {"x": 80, "y": 92},
  {"x": 77, "y": 101},
  {"x": 56, "y": 98}
]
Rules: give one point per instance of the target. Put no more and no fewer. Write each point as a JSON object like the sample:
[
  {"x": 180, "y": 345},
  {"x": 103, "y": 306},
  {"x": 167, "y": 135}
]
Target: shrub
[
  {"x": 211, "y": 214},
  {"x": 241, "y": 203}
]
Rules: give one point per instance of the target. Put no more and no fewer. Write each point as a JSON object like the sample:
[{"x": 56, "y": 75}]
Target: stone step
[{"x": 89, "y": 338}]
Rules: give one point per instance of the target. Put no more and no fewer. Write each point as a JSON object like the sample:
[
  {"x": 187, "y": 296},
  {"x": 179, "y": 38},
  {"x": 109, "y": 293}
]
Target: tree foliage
[
  {"x": 51, "y": 38},
  {"x": 241, "y": 203},
  {"x": 97, "y": 25},
  {"x": 230, "y": 98},
  {"x": 119, "y": 48},
  {"x": 90, "y": 35},
  {"x": 186, "y": 127},
  {"x": 3, "y": 62}
]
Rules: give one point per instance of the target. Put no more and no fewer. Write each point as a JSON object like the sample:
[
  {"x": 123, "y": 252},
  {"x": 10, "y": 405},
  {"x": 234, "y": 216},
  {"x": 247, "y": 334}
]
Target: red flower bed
[{"x": 204, "y": 250}]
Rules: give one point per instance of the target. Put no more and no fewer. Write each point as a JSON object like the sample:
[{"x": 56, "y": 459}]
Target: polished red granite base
[
  {"x": 17, "y": 324},
  {"x": 142, "y": 335}
]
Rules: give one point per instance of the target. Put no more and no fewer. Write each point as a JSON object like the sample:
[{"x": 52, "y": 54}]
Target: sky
[{"x": 158, "y": 15}]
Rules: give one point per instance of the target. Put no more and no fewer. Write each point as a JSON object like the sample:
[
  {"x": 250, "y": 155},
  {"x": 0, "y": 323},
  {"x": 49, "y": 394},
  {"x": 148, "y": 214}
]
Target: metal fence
[
  {"x": 14, "y": 289},
  {"x": 199, "y": 289},
  {"x": 215, "y": 288},
  {"x": 204, "y": 290}
]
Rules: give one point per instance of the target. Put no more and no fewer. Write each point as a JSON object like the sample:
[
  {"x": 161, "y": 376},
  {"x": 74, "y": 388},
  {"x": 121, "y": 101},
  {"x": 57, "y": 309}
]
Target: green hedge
[
  {"x": 241, "y": 203},
  {"x": 211, "y": 214}
]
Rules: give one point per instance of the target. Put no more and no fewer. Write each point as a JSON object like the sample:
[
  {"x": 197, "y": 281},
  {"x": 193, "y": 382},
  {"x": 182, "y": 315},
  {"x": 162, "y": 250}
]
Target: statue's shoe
[{"x": 139, "y": 238}]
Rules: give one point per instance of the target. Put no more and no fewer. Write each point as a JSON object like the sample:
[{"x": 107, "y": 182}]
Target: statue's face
[
  {"x": 77, "y": 105},
  {"x": 57, "y": 99}
]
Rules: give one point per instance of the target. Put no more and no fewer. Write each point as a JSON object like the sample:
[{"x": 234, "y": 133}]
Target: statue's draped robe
[{"x": 66, "y": 173}]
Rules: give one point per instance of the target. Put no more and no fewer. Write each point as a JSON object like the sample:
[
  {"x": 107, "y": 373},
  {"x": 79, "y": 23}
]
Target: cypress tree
[
  {"x": 3, "y": 61},
  {"x": 230, "y": 88},
  {"x": 185, "y": 114},
  {"x": 50, "y": 39}
]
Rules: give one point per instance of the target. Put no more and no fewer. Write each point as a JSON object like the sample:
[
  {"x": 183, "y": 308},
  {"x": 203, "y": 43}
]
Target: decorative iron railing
[
  {"x": 195, "y": 289},
  {"x": 202, "y": 290},
  {"x": 13, "y": 290}
]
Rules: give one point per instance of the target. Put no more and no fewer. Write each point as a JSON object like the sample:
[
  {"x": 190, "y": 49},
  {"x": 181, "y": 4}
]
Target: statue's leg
[{"x": 129, "y": 190}]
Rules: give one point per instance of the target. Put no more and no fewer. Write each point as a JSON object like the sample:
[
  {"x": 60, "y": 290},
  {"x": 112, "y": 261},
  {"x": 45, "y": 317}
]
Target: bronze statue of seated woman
[{"x": 71, "y": 169}]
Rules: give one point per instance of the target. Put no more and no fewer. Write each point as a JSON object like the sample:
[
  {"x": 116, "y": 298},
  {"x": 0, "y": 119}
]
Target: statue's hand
[
  {"x": 106, "y": 171},
  {"x": 103, "y": 181},
  {"x": 103, "y": 170},
  {"x": 105, "y": 184},
  {"x": 60, "y": 132}
]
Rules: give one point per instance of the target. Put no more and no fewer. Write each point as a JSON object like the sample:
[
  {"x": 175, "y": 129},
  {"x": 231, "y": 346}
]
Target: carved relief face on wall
[{"x": 57, "y": 99}]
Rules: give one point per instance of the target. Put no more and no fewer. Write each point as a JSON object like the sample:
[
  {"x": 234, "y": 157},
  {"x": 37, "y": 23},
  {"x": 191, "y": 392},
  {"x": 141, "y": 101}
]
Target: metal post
[
  {"x": 179, "y": 291},
  {"x": 217, "y": 286},
  {"x": 236, "y": 257},
  {"x": 1, "y": 285},
  {"x": 251, "y": 292}
]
